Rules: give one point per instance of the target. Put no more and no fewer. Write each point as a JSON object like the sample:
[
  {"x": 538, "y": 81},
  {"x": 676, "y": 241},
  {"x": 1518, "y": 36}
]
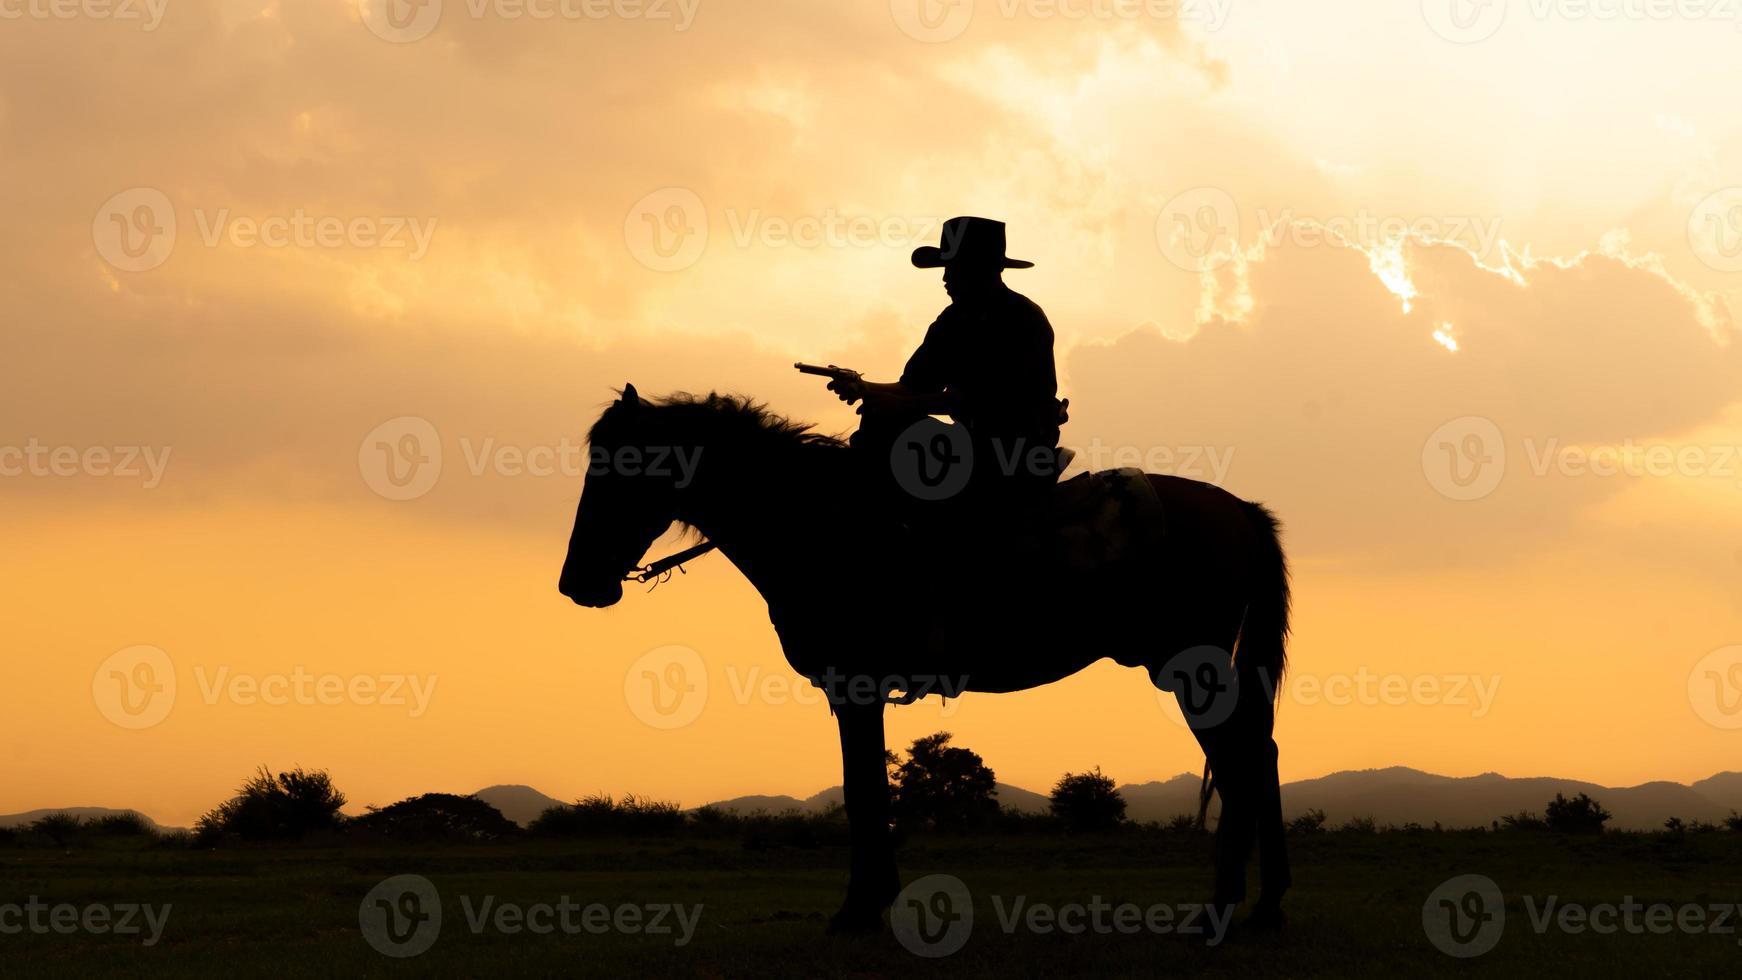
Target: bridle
[{"x": 663, "y": 568}]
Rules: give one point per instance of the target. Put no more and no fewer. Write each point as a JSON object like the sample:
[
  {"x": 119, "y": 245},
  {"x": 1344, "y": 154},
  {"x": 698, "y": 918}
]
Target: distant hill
[
  {"x": 1162, "y": 801},
  {"x": 1397, "y": 796},
  {"x": 1400, "y": 795},
  {"x": 1014, "y": 797},
  {"x": 83, "y": 812},
  {"x": 521, "y": 804},
  {"x": 1724, "y": 789}
]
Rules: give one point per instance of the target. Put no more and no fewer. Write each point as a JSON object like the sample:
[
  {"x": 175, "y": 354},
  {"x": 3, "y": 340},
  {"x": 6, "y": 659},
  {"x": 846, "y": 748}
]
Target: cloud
[{"x": 1327, "y": 393}]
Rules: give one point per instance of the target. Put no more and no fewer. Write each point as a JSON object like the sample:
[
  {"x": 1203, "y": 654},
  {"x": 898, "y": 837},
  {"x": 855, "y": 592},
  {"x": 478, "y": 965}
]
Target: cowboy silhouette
[{"x": 987, "y": 363}]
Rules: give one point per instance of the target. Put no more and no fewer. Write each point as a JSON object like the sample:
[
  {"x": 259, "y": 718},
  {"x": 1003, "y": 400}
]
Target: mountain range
[{"x": 1396, "y": 796}]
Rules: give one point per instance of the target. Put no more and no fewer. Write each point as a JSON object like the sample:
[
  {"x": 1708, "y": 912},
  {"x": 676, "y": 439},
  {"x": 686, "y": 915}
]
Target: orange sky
[{"x": 1327, "y": 256}]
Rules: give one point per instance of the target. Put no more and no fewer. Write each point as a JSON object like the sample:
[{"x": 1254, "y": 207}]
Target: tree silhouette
[
  {"x": 941, "y": 786},
  {"x": 284, "y": 806},
  {"x": 439, "y": 817},
  {"x": 1579, "y": 815},
  {"x": 1087, "y": 801}
]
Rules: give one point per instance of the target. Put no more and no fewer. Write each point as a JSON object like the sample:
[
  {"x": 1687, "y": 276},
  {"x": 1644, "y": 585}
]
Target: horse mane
[{"x": 713, "y": 418}]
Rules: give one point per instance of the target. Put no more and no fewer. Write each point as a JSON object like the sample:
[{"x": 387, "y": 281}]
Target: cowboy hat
[{"x": 968, "y": 242}]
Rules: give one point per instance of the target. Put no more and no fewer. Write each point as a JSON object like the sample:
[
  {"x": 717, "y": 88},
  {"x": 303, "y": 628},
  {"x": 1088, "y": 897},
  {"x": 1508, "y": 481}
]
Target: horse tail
[{"x": 1263, "y": 643}]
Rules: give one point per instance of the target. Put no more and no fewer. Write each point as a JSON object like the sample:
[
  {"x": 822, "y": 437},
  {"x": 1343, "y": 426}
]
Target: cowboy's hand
[
  {"x": 880, "y": 400},
  {"x": 848, "y": 390}
]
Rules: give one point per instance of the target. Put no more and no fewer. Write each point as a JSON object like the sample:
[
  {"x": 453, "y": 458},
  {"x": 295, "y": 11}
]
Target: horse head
[{"x": 626, "y": 503}]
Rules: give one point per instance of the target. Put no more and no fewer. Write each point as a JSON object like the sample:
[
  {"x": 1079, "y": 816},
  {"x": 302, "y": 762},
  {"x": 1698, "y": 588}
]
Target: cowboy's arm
[{"x": 901, "y": 398}]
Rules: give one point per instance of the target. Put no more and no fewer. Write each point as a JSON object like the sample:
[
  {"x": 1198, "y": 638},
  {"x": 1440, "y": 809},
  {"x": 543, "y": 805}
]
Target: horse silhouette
[{"x": 1205, "y": 614}]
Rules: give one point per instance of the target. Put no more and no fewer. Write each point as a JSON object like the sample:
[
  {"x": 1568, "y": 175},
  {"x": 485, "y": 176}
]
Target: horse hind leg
[
  {"x": 1218, "y": 712},
  {"x": 1233, "y": 722},
  {"x": 1274, "y": 874}
]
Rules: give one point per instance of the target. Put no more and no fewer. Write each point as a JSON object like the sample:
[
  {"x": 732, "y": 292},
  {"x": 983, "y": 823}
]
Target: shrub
[
  {"x": 1523, "y": 820},
  {"x": 269, "y": 807},
  {"x": 1359, "y": 825},
  {"x": 1579, "y": 815},
  {"x": 1184, "y": 823},
  {"x": 438, "y": 817},
  {"x": 57, "y": 827},
  {"x": 127, "y": 824},
  {"x": 1087, "y": 802},
  {"x": 602, "y": 816},
  {"x": 1310, "y": 822}
]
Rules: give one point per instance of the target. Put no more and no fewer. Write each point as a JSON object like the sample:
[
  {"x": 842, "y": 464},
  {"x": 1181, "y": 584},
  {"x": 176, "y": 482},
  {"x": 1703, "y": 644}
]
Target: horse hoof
[
  {"x": 856, "y": 922},
  {"x": 1267, "y": 918}
]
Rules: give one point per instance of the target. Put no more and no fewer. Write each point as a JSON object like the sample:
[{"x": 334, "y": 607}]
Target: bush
[
  {"x": 127, "y": 824},
  {"x": 601, "y": 816},
  {"x": 178, "y": 839},
  {"x": 57, "y": 827},
  {"x": 1579, "y": 815},
  {"x": 268, "y": 807},
  {"x": 1733, "y": 822},
  {"x": 438, "y": 817},
  {"x": 1087, "y": 802},
  {"x": 1359, "y": 825},
  {"x": 1310, "y": 822},
  {"x": 1523, "y": 820},
  {"x": 1184, "y": 823}
]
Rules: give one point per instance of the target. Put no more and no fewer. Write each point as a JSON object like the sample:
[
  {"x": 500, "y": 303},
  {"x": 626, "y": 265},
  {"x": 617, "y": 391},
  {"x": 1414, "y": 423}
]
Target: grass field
[{"x": 1357, "y": 909}]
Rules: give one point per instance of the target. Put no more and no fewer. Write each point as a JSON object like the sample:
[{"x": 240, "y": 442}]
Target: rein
[{"x": 665, "y": 566}]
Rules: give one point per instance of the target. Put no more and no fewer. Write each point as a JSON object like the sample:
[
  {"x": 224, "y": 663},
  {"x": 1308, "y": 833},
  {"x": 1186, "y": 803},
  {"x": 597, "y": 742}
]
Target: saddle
[{"x": 1095, "y": 521}]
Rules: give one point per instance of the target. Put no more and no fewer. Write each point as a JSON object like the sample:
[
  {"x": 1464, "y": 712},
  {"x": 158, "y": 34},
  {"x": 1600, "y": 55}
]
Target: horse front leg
[{"x": 874, "y": 880}]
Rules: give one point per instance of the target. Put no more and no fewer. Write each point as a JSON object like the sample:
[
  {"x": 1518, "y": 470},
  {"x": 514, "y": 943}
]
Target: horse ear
[{"x": 630, "y": 396}]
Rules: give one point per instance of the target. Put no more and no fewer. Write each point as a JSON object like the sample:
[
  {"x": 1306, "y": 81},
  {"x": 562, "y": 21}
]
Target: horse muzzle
[{"x": 594, "y": 596}]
